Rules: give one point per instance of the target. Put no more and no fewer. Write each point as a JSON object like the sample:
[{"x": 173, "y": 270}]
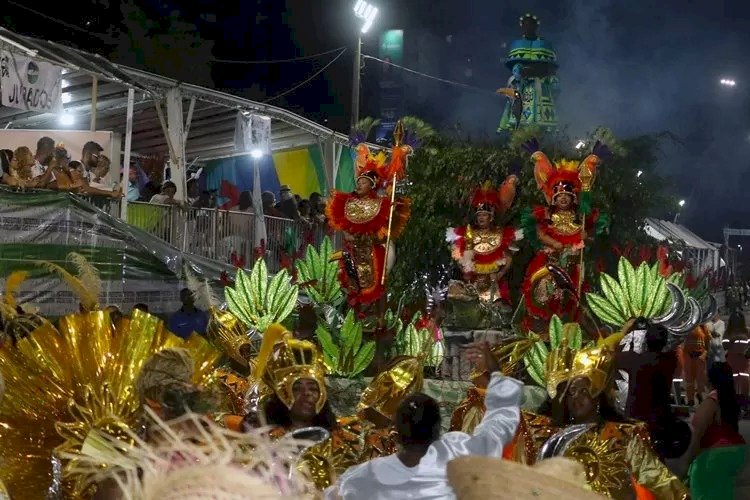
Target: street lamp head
[
  {"x": 728, "y": 82},
  {"x": 256, "y": 153},
  {"x": 682, "y": 203},
  {"x": 640, "y": 173},
  {"x": 367, "y": 12},
  {"x": 580, "y": 144}
]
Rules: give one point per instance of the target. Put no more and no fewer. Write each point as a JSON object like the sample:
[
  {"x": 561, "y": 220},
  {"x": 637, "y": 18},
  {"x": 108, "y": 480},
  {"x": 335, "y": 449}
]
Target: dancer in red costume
[
  {"x": 558, "y": 231},
  {"x": 483, "y": 250},
  {"x": 364, "y": 215}
]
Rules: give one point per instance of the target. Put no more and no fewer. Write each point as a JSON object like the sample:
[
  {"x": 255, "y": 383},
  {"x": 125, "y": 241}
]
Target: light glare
[
  {"x": 366, "y": 12},
  {"x": 66, "y": 119},
  {"x": 256, "y": 153}
]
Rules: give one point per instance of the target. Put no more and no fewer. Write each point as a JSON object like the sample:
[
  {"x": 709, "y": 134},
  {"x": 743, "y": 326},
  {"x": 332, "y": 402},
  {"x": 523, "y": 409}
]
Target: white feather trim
[
  {"x": 518, "y": 235},
  {"x": 467, "y": 261},
  {"x": 451, "y": 236}
]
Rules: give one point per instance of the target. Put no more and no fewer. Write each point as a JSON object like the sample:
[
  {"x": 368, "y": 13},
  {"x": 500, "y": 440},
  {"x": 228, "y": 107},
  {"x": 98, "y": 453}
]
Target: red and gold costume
[
  {"x": 364, "y": 216},
  {"x": 483, "y": 250},
  {"x": 558, "y": 232}
]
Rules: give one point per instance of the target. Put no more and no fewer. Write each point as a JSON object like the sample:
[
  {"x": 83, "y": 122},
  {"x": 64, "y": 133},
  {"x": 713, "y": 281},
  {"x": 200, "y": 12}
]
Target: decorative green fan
[
  {"x": 345, "y": 354},
  {"x": 560, "y": 334},
  {"x": 415, "y": 342},
  {"x": 640, "y": 292},
  {"x": 258, "y": 302},
  {"x": 322, "y": 274}
]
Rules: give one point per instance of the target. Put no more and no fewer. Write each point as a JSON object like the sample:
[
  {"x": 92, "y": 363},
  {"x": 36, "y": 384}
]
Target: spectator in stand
[
  {"x": 245, "y": 203},
  {"x": 22, "y": 168},
  {"x": 269, "y": 200},
  {"x": 45, "y": 147},
  {"x": 288, "y": 204},
  {"x": 304, "y": 212},
  {"x": 9, "y": 165},
  {"x": 90, "y": 158},
  {"x": 149, "y": 190},
  {"x": 317, "y": 208},
  {"x": 134, "y": 192},
  {"x": 193, "y": 191},
  {"x": 166, "y": 197},
  {"x": 188, "y": 318}
]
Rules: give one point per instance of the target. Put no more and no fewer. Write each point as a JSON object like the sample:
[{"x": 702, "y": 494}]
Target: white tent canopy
[
  {"x": 703, "y": 255},
  {"x": 96, "y": 91}
]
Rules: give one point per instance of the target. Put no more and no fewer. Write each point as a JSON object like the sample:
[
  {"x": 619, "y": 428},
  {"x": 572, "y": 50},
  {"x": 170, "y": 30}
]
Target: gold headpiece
[
  {"x": 597, "y": 364},
  {"x": 386, "y": 391},
  {"x": 283, "y": 360},
  {"x": 230, "y": 334}
]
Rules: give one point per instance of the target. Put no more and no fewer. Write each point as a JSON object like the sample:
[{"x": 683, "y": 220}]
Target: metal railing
[{"x": 222, "y": 235}]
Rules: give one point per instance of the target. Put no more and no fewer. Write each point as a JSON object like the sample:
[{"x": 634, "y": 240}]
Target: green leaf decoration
[
  {"x": 316, "y": 268},
  {"x": 344, "y": 354},
  {"x": 573, "y": 333},
  {"x": 329, "y": 348},
  {"x": 259, "y": 303},
  {"x": 640, "y": 292},
  {"x": 555, "y": 332}
]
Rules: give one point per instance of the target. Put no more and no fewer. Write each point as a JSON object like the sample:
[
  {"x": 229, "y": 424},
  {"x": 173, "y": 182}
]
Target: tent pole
[
  {"x": 94, "y": 99},
  {"x": 126, "y": 159}
]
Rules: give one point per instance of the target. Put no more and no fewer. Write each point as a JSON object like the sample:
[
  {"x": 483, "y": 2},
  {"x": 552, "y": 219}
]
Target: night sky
[{"x": 636, "y": 67}]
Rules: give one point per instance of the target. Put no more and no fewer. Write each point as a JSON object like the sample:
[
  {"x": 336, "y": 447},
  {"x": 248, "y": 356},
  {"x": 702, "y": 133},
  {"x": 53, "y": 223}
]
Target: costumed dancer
[
  {"x": 371, "y": 218},
  {"x": 298, "y": 407},
  {"x": 653, "y": 316},
  {"x": 483, "y": 250},
  {"x": 68, "y": 383},
  {"x": 559, "y": 231},
  {"x": 616, "y": 453},
  {"x": 418, "y": 469},
  {"x": 192, "y": 457}
]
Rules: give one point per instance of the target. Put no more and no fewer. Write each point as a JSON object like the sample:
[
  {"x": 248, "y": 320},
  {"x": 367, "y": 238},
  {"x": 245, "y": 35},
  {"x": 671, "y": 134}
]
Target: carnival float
[{"x": 521, "y": 264}]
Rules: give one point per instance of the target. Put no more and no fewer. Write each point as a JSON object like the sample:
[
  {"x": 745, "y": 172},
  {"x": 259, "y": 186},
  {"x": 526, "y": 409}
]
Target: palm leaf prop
[
  {"x": 637, "y": 292},
  {"x": 535, "y": 359},
  {"x": 344, "y": 354},
  {"x": 317, "y": 269},
  {"x": 416, "y": 342},
  {"x": 258, "y": 302}
]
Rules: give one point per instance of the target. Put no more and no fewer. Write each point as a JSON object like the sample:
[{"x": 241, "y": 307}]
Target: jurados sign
[{"x": 29, "y": 84}]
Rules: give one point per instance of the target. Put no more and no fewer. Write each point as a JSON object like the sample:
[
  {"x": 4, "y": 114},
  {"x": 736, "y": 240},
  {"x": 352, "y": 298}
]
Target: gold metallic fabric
[
  {"x": 362, "y": 210},
  {"x": 390, "y": 387},
  {"x": 594, "y": 363},
  {"x": 62, "y": 383},
  {"x": 616, "y": 456}
]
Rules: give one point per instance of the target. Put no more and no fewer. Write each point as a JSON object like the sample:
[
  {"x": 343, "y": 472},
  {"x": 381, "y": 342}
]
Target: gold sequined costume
[
  {"x": 64, "y": 382},
  {"x": 617, "y": 456}
]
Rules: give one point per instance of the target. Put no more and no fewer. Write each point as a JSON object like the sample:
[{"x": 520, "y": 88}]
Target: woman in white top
[{"x": 418, "y": 469}]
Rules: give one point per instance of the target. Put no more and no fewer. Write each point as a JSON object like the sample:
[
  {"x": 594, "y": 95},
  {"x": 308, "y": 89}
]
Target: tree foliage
[{"x": 443, "y": 174}]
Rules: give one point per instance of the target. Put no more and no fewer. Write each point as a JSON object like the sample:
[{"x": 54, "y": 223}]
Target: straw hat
[{"x": 487, "y": 478}]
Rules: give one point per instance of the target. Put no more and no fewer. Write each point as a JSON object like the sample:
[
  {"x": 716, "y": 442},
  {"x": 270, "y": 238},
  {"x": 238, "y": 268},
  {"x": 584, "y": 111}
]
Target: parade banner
[
  {"x": 134, "y": 266},
  {"x": 30, "y": 85}
]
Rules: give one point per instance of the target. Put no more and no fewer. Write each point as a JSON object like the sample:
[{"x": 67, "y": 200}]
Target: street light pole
[
  {"x": 356, "y": 81},
  {"x": 367, "y": 13}
]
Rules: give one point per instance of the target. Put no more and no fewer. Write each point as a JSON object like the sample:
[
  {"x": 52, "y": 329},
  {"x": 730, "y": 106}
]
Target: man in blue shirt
[
  {"x": 134, "y": 191},
  {"x": 188, "y": 319}
]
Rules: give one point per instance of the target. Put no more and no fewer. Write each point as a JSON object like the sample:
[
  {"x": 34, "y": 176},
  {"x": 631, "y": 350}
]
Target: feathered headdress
[
  {"x": 486, "y": 199},
  {"x": 86, "y": 285},
  {"x": 378, "y": 167},
  {"x": 214, "y": 463},
  {"x": 563, "y": 176}
]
